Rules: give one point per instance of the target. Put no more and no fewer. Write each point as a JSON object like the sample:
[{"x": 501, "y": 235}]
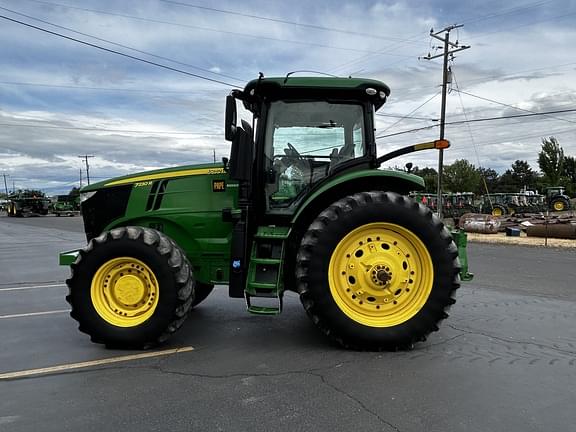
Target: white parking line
[
  {"x": 21, "y": 288},
  {"x": 34, "y": 314},
  {"x": 86, "y": 364}
]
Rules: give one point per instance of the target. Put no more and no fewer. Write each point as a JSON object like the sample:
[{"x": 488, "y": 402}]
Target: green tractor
[
  {"x": 556, "y": 199},
  {"x": 300, "y": 205},
  {"x": 27, "y": 202},
  {"x": 66, "y": 205}
]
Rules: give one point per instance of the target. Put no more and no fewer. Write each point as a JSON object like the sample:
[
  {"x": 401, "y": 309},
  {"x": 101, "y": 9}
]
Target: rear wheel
[
  {"x": 560, "y": 204},
  {"x": 131, "y": 287},
  {"x": 377, "y": 271},
  {"x": 498, "y": 210}
]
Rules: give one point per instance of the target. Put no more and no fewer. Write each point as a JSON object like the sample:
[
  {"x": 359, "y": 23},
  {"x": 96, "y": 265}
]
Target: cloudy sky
[{"x": 60, "y": 98}]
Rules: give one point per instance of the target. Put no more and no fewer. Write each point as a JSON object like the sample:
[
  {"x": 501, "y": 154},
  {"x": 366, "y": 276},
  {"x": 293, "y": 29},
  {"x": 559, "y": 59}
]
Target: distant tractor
[
  {"x": 300, "y": 205},
  {"x": 556, "y": 199},
  {"x": 66, "y": 205},
  {"x": 27, "y": 202},
  {"x": 495, "y": 204}
]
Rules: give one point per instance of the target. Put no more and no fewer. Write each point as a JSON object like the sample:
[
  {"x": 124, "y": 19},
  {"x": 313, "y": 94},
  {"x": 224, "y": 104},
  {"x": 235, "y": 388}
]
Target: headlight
[{"x": 86, "y": 195}]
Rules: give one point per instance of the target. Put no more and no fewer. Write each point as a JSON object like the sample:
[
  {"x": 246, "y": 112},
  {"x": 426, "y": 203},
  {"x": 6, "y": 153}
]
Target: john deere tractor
[
  {"x": 556, "y": 198},
  {"x": 300, "y": 205}
]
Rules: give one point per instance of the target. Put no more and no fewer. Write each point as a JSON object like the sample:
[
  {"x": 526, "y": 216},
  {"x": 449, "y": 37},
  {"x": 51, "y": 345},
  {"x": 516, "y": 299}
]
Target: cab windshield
[{"x": 305, "y": 142}]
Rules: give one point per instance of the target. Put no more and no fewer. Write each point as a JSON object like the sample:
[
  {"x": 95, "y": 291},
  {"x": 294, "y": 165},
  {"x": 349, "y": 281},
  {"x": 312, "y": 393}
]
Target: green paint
[{"x": 417, "y": 182}]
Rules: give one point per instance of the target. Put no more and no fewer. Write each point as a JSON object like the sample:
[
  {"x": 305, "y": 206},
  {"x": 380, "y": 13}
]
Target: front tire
[
  {"x": 377, "y": 271},
  {"x": 131, "y": 287}
]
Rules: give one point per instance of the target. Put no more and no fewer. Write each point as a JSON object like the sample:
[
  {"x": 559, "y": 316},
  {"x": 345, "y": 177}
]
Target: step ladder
[{"x": 265, "y": 282}]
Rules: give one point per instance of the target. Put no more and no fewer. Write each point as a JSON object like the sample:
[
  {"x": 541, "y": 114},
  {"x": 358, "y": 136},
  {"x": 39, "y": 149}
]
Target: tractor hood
[{"x": 149, "y": 176}]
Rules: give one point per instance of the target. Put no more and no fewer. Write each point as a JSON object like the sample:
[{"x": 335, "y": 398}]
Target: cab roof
[{"x": 322, "y": 88}]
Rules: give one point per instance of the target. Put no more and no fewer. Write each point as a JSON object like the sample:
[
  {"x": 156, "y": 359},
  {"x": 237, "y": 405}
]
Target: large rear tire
[
  {"x": 498, "y": 210},
  {"x": 377, "y": 271},
  {"x": 560, "y": 204},
  {"x": 131, "y": 287}
]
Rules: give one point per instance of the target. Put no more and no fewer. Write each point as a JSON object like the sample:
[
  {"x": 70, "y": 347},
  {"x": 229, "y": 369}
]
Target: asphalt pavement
[{"x": 505, "y": 359}]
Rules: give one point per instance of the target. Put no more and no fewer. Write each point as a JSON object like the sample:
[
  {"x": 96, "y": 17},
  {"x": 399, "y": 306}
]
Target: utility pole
[
  {"x": 214, "y": 154},
  {"x": 85, "y": 157},
  {"x": 80, "y": 178},
  {"x": 449, "y": 49},
  {"x": 5, "y": 184}
]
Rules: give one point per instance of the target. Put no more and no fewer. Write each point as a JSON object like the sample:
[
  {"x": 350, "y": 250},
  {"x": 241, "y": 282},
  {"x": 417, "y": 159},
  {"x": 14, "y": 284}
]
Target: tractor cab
[
  {"x": 554, "y": 190},
  {"x": 307, "y": 130}
]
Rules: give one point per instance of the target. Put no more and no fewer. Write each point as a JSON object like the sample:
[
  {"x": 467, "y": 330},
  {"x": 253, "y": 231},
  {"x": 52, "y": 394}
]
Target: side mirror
[{"x": 230, "y": 121}]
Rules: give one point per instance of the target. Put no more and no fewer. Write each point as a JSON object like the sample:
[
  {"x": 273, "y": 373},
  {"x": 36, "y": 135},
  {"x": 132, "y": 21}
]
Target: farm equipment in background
[
  {"x": 27, "y": 202},
  {"x": 300, "y": 205},
  {"x": 454, "y": 204}
]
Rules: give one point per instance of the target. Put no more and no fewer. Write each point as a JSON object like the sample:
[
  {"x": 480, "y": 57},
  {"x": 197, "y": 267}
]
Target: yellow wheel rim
[
  {"x": 124, "y": 292},
  {"x": 558, "y": 206},
  {"x": 380, "y": 274},
  {"x": 496, "y": 211}
]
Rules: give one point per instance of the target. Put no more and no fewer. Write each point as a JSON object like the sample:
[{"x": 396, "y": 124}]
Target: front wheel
[
  {"x": 377, "y": 271},
  {"x": 131, "y": 287}
]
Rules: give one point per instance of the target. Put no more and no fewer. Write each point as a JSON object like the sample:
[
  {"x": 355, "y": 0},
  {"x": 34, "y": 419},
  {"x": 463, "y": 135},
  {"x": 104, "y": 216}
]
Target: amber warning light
[{"x": 441, "y": 144}]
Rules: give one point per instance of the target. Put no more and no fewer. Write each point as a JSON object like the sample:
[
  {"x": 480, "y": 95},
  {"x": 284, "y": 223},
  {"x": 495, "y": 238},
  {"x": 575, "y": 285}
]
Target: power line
[
  {"x": 116, "y": 89},
  {"x": 406, "y": 117},
  {"x": 477, "y": 120},
  {"x": 507, "y": 105},
  {"x": 108, "y": 130},
  {"x": 132, "y": 17},
  {"x": 120, "y": 45},
  {"x": 472, "y": 140},
  {"x": 486, "y": 78},
  {"x": 282, "y": 21},
  {"x": 117, "y": 52},
  {"x": 511, "y": 11},
  {"x": 411, "y": 112}
]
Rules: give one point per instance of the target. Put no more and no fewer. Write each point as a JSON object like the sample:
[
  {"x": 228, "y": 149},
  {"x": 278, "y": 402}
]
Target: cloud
[{"x": 153, "y": 117}]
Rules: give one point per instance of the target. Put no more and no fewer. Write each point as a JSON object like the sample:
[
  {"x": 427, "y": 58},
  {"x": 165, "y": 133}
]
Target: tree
[
  {"x": 523, "y": 174},
  {"x": 551, "y": 161},
  {"x": 491, "y": 178},
  {"x": 570, "y": 174},
  {"x": 430, "y": 176},
  {"x": 461, "y": 176},
  {"x": 519, "y": 176},
  {"x": 75, "y": 191}
]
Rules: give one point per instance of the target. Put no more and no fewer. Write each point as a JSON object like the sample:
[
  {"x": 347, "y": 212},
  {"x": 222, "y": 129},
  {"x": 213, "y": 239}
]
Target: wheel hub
[
  {"x": 380, "y": 274},
  {"x": 383, "y": 276},
  {"x": 124, "y": 292},
  {"x": 129, "y": 290}
]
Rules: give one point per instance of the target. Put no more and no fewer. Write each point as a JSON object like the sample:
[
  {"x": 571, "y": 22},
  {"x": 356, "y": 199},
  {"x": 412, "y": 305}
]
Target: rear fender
[{"x": 356, "y": 181}]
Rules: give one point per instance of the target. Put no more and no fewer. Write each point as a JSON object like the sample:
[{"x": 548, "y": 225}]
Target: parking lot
[{"x": 505, "y": 360}]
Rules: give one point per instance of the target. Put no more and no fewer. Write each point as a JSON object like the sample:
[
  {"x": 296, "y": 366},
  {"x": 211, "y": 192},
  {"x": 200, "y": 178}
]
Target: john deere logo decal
[{"x": 218, "y": 185}]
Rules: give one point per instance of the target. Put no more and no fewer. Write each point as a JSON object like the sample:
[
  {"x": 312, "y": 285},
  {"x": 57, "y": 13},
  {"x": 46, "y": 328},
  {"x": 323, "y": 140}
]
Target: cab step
[{"x": 265, "y": 285}]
